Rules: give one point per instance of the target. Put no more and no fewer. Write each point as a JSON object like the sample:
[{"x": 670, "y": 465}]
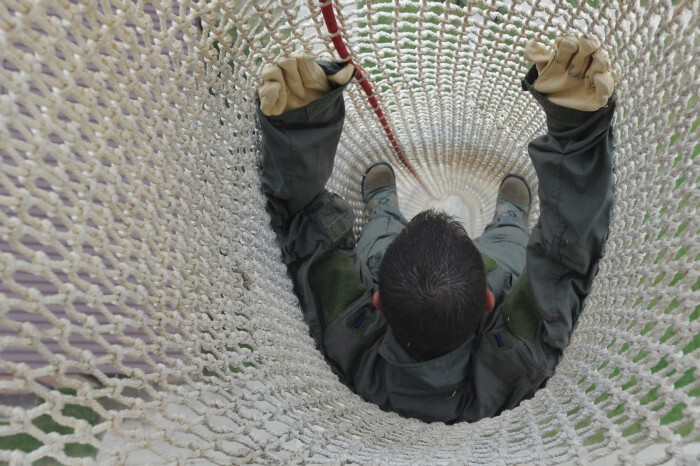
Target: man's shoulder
[{"x": 351, "y": 339}]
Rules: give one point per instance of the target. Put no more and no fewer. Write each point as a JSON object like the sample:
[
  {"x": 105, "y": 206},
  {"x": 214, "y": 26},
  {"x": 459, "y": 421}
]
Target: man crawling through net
[{"x": 416, "y": 316}]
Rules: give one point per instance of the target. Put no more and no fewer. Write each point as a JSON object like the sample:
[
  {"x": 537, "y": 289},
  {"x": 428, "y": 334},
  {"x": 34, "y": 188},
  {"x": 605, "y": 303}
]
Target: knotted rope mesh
[{"x": 145, "y": 315}]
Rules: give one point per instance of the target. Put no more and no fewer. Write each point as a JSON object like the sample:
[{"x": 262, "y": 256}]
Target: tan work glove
[
  {"x": 296, "y": 81},
  {"x": 575, "y": 75}
]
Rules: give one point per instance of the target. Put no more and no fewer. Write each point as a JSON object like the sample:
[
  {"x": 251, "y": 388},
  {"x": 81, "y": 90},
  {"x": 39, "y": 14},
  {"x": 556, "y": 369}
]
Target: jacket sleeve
[
  {"x": 314, "y": 227},
  {"x": 573, "y": 162},
  {"x": 298, "y": 150}
]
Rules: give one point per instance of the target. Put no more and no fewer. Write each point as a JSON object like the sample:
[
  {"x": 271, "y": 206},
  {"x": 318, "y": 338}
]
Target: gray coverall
[{"x": 539, "y": 290}]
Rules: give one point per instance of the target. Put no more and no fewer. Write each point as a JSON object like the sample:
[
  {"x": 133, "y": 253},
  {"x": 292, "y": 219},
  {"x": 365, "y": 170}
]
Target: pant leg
[
  {"x": 504, "y": 240},
  {"x": 383, "y": 224}
]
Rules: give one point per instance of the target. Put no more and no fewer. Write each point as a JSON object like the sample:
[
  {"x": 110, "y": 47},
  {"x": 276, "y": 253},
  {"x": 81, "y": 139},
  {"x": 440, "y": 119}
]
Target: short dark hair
[{"x": 432, "y": 285}]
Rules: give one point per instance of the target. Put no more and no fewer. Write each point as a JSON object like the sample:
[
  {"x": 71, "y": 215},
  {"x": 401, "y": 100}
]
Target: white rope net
[{"x": 145, "y": 316}]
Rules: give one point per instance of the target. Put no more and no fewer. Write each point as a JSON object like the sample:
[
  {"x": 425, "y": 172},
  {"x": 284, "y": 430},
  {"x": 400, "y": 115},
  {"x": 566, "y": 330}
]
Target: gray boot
[
  {"x": 379, "y": 186},
  {"x": 514, "y": 197}
]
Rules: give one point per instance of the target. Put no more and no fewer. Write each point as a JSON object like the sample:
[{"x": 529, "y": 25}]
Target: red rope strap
[{"x": 336, "y": 37}]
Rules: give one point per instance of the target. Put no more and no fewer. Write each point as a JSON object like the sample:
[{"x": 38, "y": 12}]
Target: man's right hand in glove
[
  {"x": 295, "y": 81},
  {"x": 574, "y": 75}
]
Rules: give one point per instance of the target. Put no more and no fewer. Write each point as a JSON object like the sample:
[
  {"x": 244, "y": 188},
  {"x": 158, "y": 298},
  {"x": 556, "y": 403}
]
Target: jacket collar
[{"x": 445, "y": 372}]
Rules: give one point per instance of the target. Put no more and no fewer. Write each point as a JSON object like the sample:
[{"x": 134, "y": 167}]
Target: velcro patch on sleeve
[
  {"x": 522, "y": 317},
  {"x": 339, "y": 226},
  {"x": 335, "y": 283}
]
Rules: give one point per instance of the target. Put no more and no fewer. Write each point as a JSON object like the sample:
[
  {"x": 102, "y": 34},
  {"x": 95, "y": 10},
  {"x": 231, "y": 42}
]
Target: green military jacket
[{"x": 519, "y": 344}]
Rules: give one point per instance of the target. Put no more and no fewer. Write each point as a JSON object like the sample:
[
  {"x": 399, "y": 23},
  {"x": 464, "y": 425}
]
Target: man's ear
[
  {"x": 490, "y": 301},
  {"x": 376, "y": 300}
]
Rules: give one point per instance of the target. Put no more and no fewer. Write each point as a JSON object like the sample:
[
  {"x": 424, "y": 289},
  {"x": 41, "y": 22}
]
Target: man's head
[{"x": 432, "y": 286}]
